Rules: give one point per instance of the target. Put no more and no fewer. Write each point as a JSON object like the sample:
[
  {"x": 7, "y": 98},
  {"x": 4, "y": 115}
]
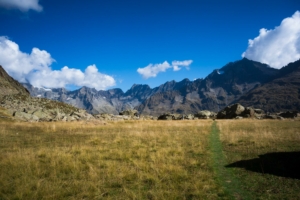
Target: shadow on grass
[{"x": 284, "y": 164}]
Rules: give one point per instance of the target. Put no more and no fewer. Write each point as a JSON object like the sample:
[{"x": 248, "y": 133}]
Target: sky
[{"x": 106, "y": 44}]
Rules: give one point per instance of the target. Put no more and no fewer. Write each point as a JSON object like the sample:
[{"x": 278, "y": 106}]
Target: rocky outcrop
[
  {"x": 205, "y": 114},
  {"x": 169, "y": 116},
  {"x": 236, "y": 111},
  {"x": 27, "y": 108}
]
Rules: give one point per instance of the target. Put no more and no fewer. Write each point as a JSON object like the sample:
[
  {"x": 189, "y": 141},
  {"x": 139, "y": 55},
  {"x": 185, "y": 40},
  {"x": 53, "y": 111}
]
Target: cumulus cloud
[
  {"x": 178, "y": 64},
  {"x": 35, "y": 68},
  {"x": 153, "y": 69},
  {"x": 23, "y": 5},
  {"x": 279, "y": 46}
]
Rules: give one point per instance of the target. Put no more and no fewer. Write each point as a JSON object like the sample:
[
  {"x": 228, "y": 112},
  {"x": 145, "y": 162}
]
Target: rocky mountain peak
[{"x": 242, "y": 71}]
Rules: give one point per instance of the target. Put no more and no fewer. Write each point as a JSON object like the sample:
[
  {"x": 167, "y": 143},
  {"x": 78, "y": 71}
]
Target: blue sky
[{"x": 117, "y": 37}]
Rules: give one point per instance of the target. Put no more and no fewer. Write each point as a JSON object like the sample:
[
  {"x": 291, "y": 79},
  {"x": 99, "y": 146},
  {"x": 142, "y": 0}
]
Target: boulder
[
  {"x": 289, "y": 114},
  {"x": 189, "y": 116},
  {"x": 59, "y": 116},
  {"x": 129, "y": 113},
  {"x": 231, "y": 112},
  {"x": 204, "y": 114},
  {"x": 42, "y": 115},
  {"x": 259, "y": 111},
  {"x": 177, "y": 116},
  {"x": 64, "y": 119},
  {"x": 166, "y": 116},
  {"x": 70, "y": 118},
  {"x": 248, "y": 112},
  {"x": 25, "y": 116}
]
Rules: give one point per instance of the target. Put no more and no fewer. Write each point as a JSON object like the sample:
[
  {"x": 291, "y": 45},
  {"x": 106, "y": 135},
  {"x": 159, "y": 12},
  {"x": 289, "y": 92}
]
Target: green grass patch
[
  {"x": 264, "y": 156},
  {"x": 223, "y": 175}
]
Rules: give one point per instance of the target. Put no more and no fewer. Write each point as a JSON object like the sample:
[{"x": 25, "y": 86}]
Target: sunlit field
[
  {"x": 150, "y": 160},
  {"x": 264, "y": 155},
  {"x": 121, "y": 160}
]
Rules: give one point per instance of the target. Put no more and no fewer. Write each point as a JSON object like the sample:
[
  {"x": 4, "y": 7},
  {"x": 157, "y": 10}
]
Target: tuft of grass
[{"x": 118, "y": 160}]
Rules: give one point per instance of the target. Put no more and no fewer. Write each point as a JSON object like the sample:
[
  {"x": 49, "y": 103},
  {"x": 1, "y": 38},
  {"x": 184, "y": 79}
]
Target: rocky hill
[{"x": 15, "y": 101}]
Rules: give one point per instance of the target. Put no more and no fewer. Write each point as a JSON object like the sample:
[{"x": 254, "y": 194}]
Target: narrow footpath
[{"x": 224, "y": 176}]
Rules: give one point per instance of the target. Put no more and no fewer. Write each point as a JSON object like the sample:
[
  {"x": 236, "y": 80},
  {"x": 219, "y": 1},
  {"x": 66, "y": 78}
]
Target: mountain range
[{"x": 245, "y": 81}]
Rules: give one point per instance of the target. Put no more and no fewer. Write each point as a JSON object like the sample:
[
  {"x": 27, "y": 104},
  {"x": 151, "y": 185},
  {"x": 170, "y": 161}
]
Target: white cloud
[
  {"x": 279, "y": 46},
  {"x": 153, "y": 69},
  {"x": 23, "y": 5},
  {"x": 35, "y": 68},
  {"x": 178, "y": 64}
]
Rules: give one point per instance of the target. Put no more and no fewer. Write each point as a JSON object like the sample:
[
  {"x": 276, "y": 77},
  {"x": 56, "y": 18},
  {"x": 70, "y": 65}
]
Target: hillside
[
  {"x": 9, "y": 86},
  {"x": 15, "y": 101},
  {"x": 219, "y": 89},
  {"x": 280, "y": 94}
]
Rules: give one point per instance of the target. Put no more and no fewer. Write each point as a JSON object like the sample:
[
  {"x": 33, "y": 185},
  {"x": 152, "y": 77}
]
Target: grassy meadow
[
  {"x": 148, "y": 159},
  {"x": 121, "y": 160}
]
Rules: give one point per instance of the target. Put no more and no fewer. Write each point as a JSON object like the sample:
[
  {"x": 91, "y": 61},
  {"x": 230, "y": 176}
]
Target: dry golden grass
[
  {"x": 254, "y": 137},
  {"x": 121, "y": 160}
]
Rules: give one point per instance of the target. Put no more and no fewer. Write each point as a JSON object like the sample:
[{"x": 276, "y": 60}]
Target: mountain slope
[
  {"x": 9, "y": 86},
  {"x": 217, "y": 90},
  {"x": 279, "y": 94}
]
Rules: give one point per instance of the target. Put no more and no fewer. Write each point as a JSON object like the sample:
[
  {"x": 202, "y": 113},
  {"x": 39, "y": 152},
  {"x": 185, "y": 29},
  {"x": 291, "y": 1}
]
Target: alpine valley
[{"x": 245, "y": 81}]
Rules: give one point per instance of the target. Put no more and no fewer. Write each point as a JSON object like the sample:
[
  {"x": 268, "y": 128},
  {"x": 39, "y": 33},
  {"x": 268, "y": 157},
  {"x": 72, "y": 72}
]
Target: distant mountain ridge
[{"x": 222, "y": 87}]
